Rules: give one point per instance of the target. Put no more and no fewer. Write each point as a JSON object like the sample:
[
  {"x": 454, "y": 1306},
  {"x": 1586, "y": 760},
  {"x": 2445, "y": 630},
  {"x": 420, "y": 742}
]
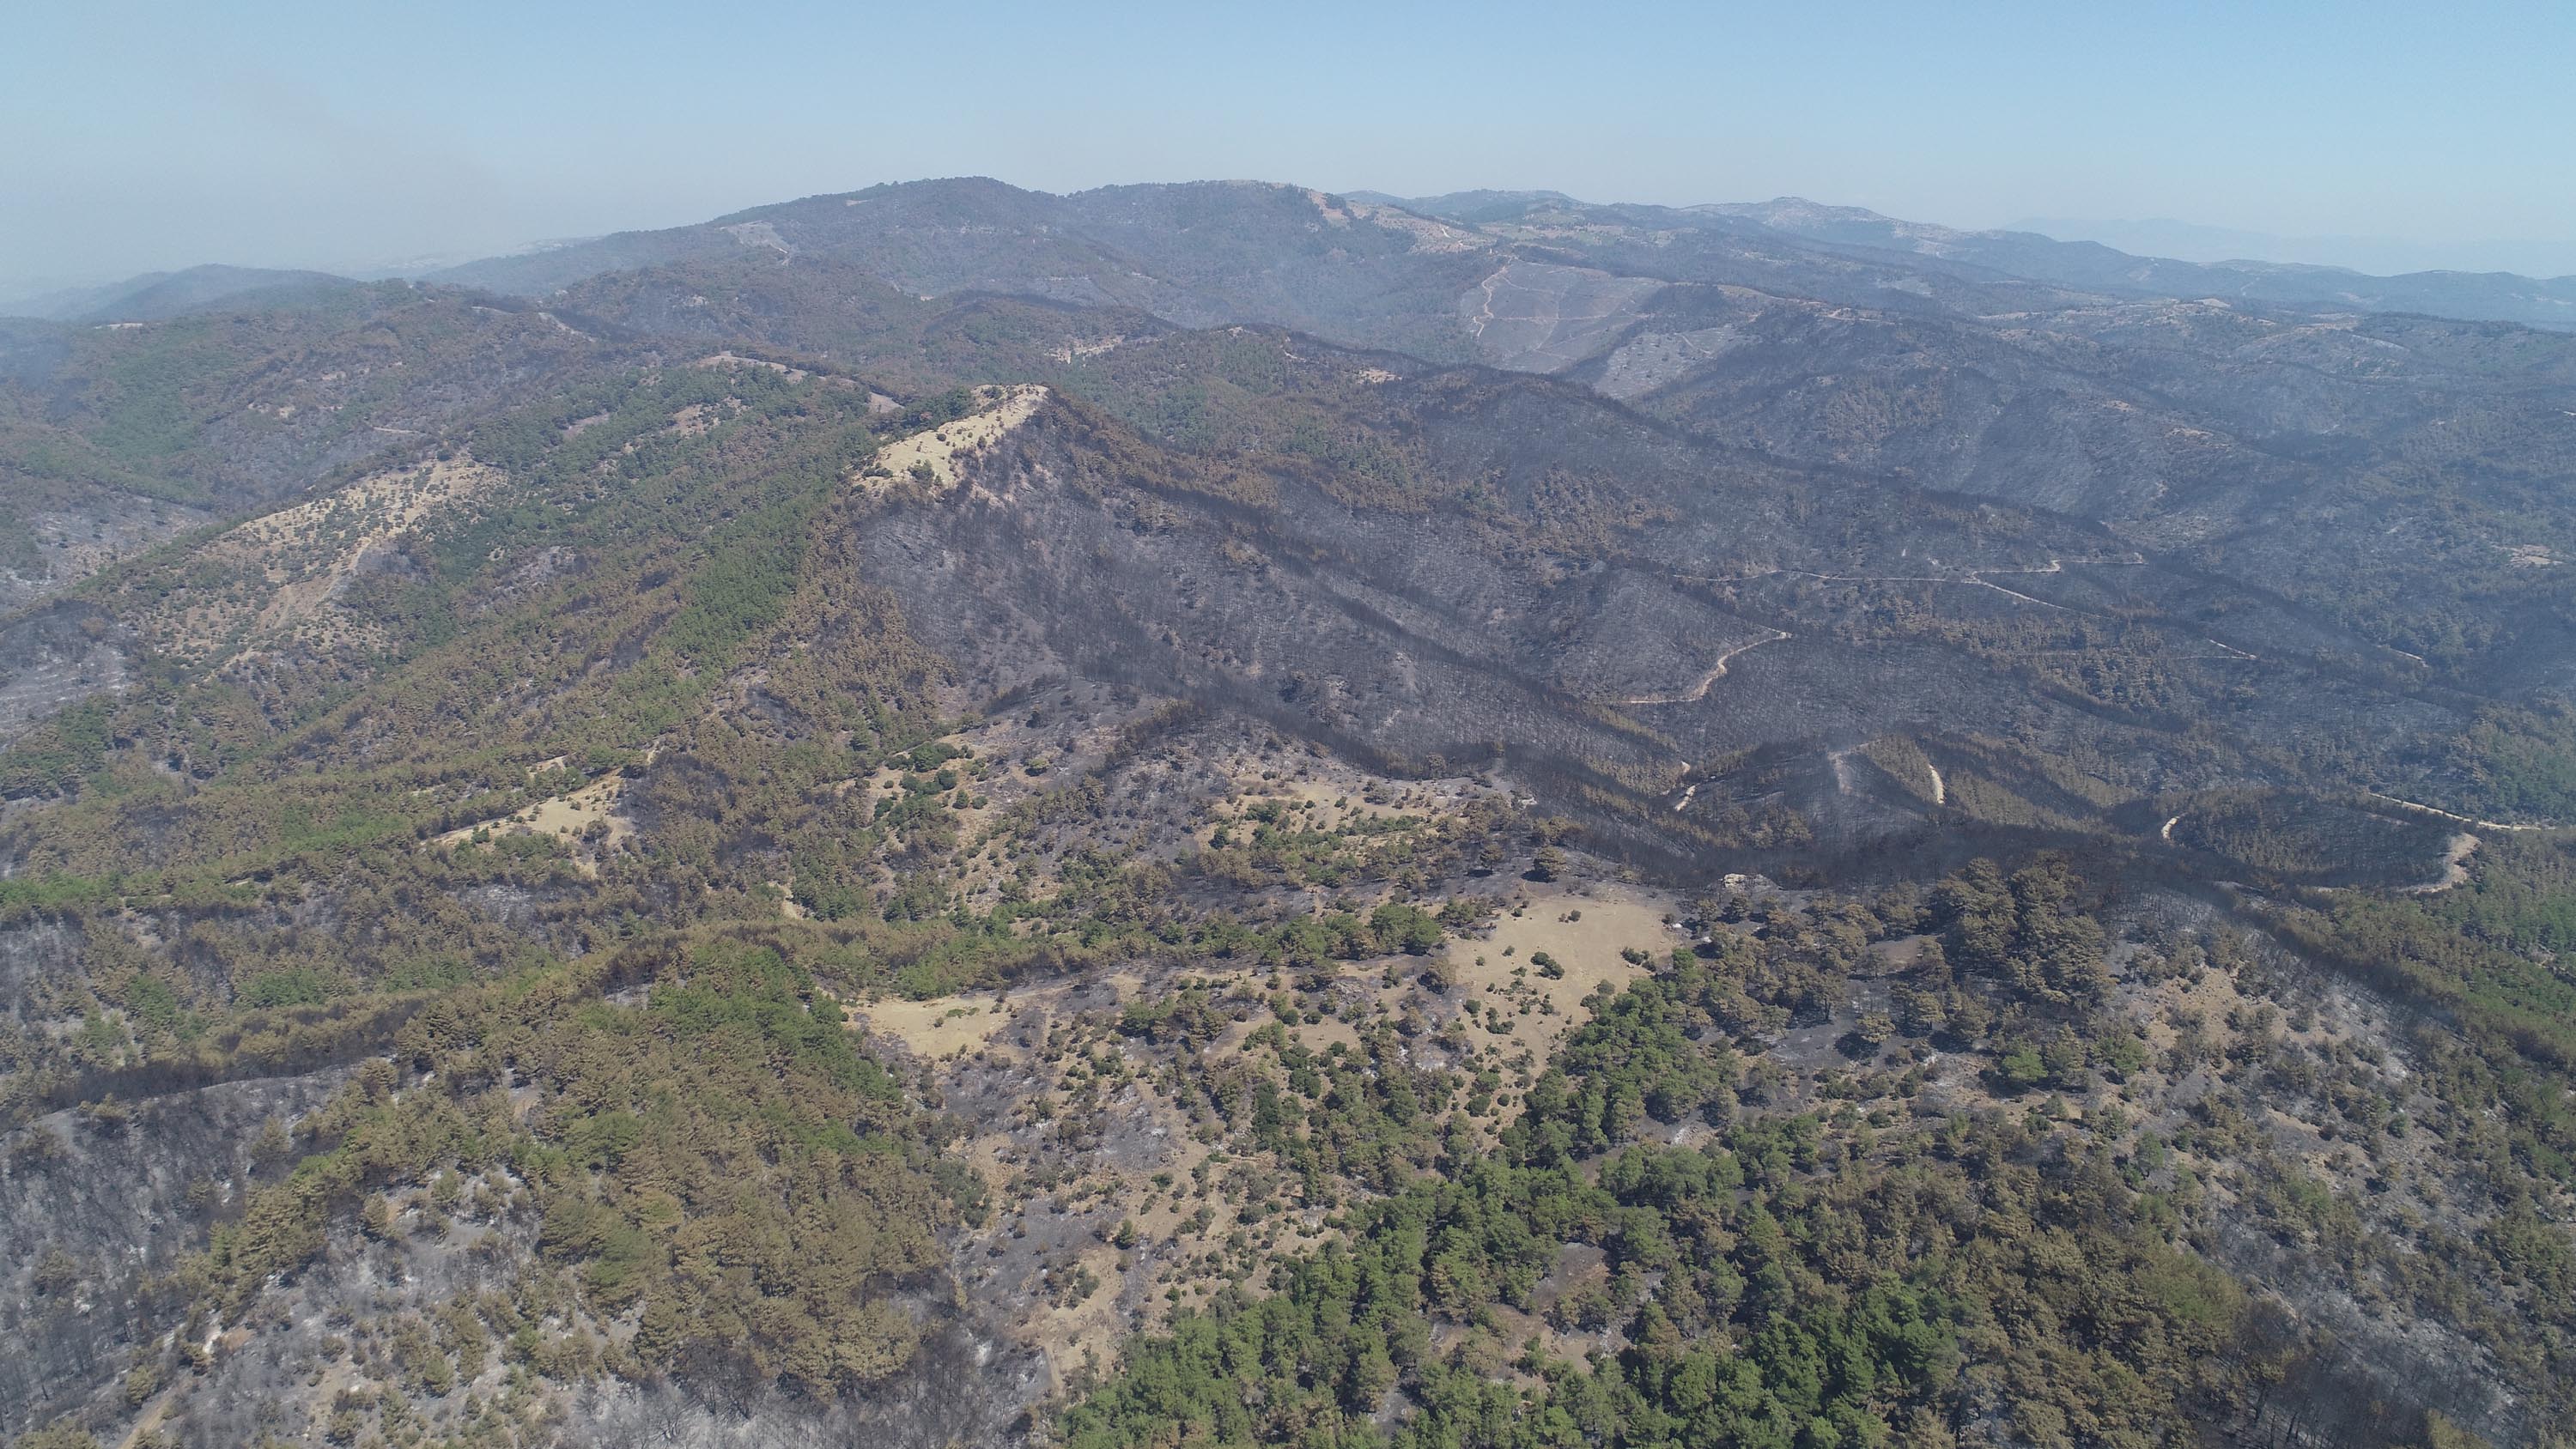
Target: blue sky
[{"x": 148, "y": 133}]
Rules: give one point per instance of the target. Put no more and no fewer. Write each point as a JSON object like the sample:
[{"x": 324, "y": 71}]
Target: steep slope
[{"x": 1679, "y": 646}]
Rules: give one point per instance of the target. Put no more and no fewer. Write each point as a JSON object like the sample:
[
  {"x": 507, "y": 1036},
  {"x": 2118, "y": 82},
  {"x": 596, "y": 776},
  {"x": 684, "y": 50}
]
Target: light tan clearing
[
  {"x": 380, "y": 504},
  {"x": 306, "y": 554},
  {"x": 937, "y": 1029},
  {"x": 1613, "y": 919},
  {"x": 566, "y": 817},
  {"x": 1085, "y": 1335},
  {"x": 735, "y": 362},
  {"x": 931, "y": 456},
  {"x": 699, "y": 419}
]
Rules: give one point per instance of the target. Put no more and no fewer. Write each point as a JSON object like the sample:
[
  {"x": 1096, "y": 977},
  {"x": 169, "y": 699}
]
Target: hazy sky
[{"x": 141, "y": 134}]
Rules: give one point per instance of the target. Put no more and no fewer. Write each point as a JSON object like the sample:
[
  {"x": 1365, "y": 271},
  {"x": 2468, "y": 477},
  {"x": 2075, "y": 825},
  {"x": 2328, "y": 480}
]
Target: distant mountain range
[
  {"x": 2375, "y": 255},
  {"x": 156, "y": 295},
  {"x": 2470, "y": 296},
  {"x": 2125, "y": 258}
]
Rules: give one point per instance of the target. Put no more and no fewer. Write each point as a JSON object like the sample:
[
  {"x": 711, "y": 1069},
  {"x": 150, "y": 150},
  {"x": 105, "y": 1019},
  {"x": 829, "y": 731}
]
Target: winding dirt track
[
  {"x": 1699, "y": 691},
  {"x": 1974, "y": 578},
  {"x": 1979, "y": 578},
  {"x": 2455, "y": 866},
  {"x": 2461, "y": 819},
  {"x": 2455, "y": 851}
]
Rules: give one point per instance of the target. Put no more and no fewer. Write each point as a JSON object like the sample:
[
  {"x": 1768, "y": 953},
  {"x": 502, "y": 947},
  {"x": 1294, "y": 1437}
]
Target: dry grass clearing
[
  {"x": 568, "y": 818},
  {"x": 730, "y": 361},
  {"x": 930, "y": 457},
  {"x": 298, "y": 559},
  {"x": 1582, "y": 934},
  {"x": 936, "y": 1030}
]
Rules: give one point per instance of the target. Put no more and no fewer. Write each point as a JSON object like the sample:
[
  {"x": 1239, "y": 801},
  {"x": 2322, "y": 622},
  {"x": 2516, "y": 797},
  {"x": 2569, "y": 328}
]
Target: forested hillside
[{"x": 1221, "y": 815}]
